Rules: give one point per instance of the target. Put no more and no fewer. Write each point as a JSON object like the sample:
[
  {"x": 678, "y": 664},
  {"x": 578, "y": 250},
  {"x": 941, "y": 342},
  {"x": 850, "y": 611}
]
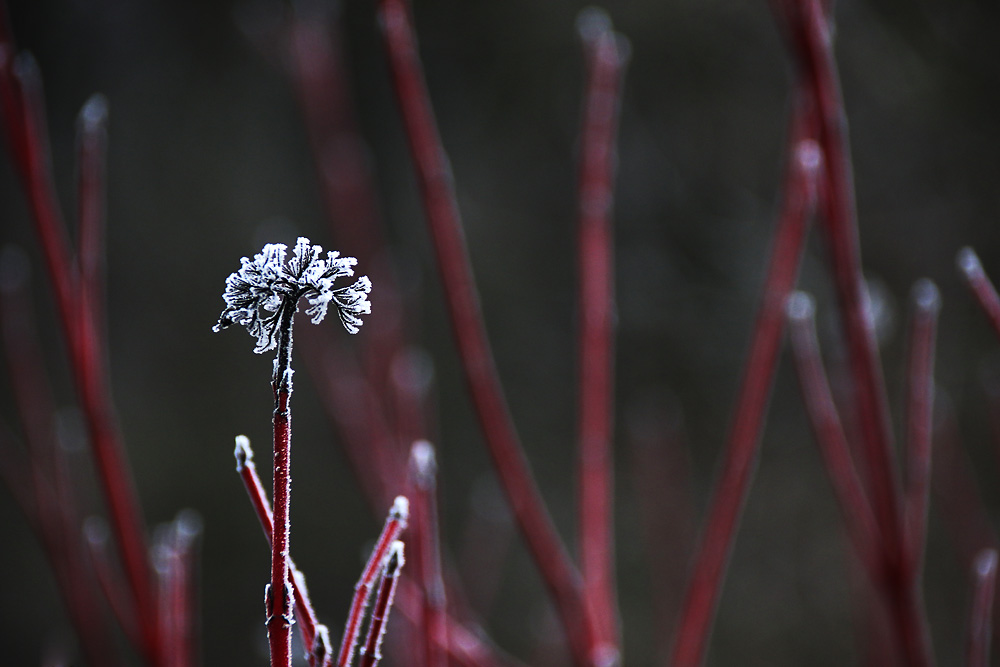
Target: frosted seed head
[{"x": 256, "y": 293}]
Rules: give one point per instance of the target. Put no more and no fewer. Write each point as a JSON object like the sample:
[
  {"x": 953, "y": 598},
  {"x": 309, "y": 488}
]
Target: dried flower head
[{"x": 256, "y": 294}]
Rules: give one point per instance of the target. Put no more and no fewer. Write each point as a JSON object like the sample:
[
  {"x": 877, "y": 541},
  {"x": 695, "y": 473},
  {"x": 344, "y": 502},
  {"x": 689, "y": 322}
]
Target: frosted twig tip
[
  {"x": 968, "y": 262},
  {"x": 96, "y": 531},
  {"x": 926, "y": 296},
  {"x": 395, "y": 561},
  {"x": 985, "y": 563},
  {"x": 800, "y": 306},
  {"x": 188, "y": 525},
  {"x": 322, "y": 648},
  {"x": 809, "y": 154},
  {"x": 94, "y": 114},
  {"x": 400, "y": 510},
  {"x": 591, "y": 23},
  {"x": 243, "y": 453},
  {"x": 423, "y": 463}
]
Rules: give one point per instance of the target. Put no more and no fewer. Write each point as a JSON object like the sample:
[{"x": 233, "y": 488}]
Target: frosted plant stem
[
  {"x": 742, "y": 447},
  {"x": 605, "y": 61},
  {"x": 558, "y": 573},
  {"x": 984, "y": 571},
  {"x": 395, "y": 523},
  {"x": 371, "y": 652},
  {"x": 279, "y": 598},
  {"x": 314, "y": 634}
]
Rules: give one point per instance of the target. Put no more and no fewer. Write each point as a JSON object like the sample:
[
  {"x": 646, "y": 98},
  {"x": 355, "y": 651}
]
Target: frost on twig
[{"x": 256, "y": 294}]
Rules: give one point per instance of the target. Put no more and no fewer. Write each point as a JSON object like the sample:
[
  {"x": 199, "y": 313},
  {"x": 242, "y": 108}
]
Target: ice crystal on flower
[{"x": 256, "y": 295}]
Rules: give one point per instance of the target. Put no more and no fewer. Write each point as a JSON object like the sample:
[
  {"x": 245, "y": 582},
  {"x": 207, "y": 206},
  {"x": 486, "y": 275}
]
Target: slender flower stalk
[
  {"x": 371, "y": 652},
  {"x": 263, "y": 296},
  {"x": 606, "y": 54}
]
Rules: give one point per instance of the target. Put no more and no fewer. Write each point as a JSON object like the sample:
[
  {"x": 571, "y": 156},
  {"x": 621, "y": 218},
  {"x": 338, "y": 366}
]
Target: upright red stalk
[
  {"x": 984, "y": 571},
  {"x": 742, "y": 446},
  {"x": 436, "y": 187},
  {"x": 22, "y": 101},
  {"x": 92, "y": 139},
  {"x": 598, "y": 154},
  {"x": 315, "y": 636},
  {"x": 423, "y": 475},
  {"x": 919, "y": 410},
  {"x": 977, "y": 280},
  {"x": 279, "y": 598},
  {"x": 371, "y": 653},
  {"x": 811, "y": 31}
]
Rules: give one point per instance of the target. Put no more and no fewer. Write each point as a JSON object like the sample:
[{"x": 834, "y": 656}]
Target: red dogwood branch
[
  {"x": 598, "y": 154},
  {"x": 435, "y": 181}
]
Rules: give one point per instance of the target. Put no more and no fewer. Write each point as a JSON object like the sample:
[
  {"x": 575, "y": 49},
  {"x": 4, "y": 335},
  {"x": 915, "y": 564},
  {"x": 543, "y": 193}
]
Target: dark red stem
[
  {"x": 279, "y": 599},
  {"x": 598, "y": 155},
  {"x": 919, "y": 411},
  {"x": 371, "y": 652},
  {"x": 847, "y": 487},
  {"x": 740, "y": 458},
  {"x": 982, "y": 288},
  {"x": 304, "y": 612},
  {"x": 423, "y": 476},
  {"x": 22, "y": 100},
  {"x": 395, "y": 523},
  {"x": 436, "y": 187}
]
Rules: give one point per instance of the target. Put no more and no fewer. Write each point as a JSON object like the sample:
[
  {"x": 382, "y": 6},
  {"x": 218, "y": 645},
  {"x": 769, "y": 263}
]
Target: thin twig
[
  {"x": 847, "y": 487},
  {"x": 982, "y": 288},
  {"x": 309, "y": 628},
  {"x": 598, "y": 155},
  {"x": 423, "y": 476},
  {"x": 434, "y": 177},
  {"x": 740, "y": 457},
  {"x": 395, "y": 523},
  {"x": 918, "y": 414},
  {"x": 371, "y": 652}
]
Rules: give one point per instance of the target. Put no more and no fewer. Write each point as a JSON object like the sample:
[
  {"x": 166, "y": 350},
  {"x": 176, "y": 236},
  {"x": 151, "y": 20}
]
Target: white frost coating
[
  {"x": 985, "y": 562},
  {"x": 926, "y": 296},
  {"x": 968, "y": 262},
  {"x": 255, "y": 294},
  {"x": 400, "y": 508},
  {"x": 422, "y": 456},
  {"x": 243, "y": 453},
  {"x": 800, "y": 306}
]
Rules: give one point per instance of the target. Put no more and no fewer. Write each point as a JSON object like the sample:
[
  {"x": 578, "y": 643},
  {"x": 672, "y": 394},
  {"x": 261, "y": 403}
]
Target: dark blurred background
[{"x": 209, "y": 159}]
